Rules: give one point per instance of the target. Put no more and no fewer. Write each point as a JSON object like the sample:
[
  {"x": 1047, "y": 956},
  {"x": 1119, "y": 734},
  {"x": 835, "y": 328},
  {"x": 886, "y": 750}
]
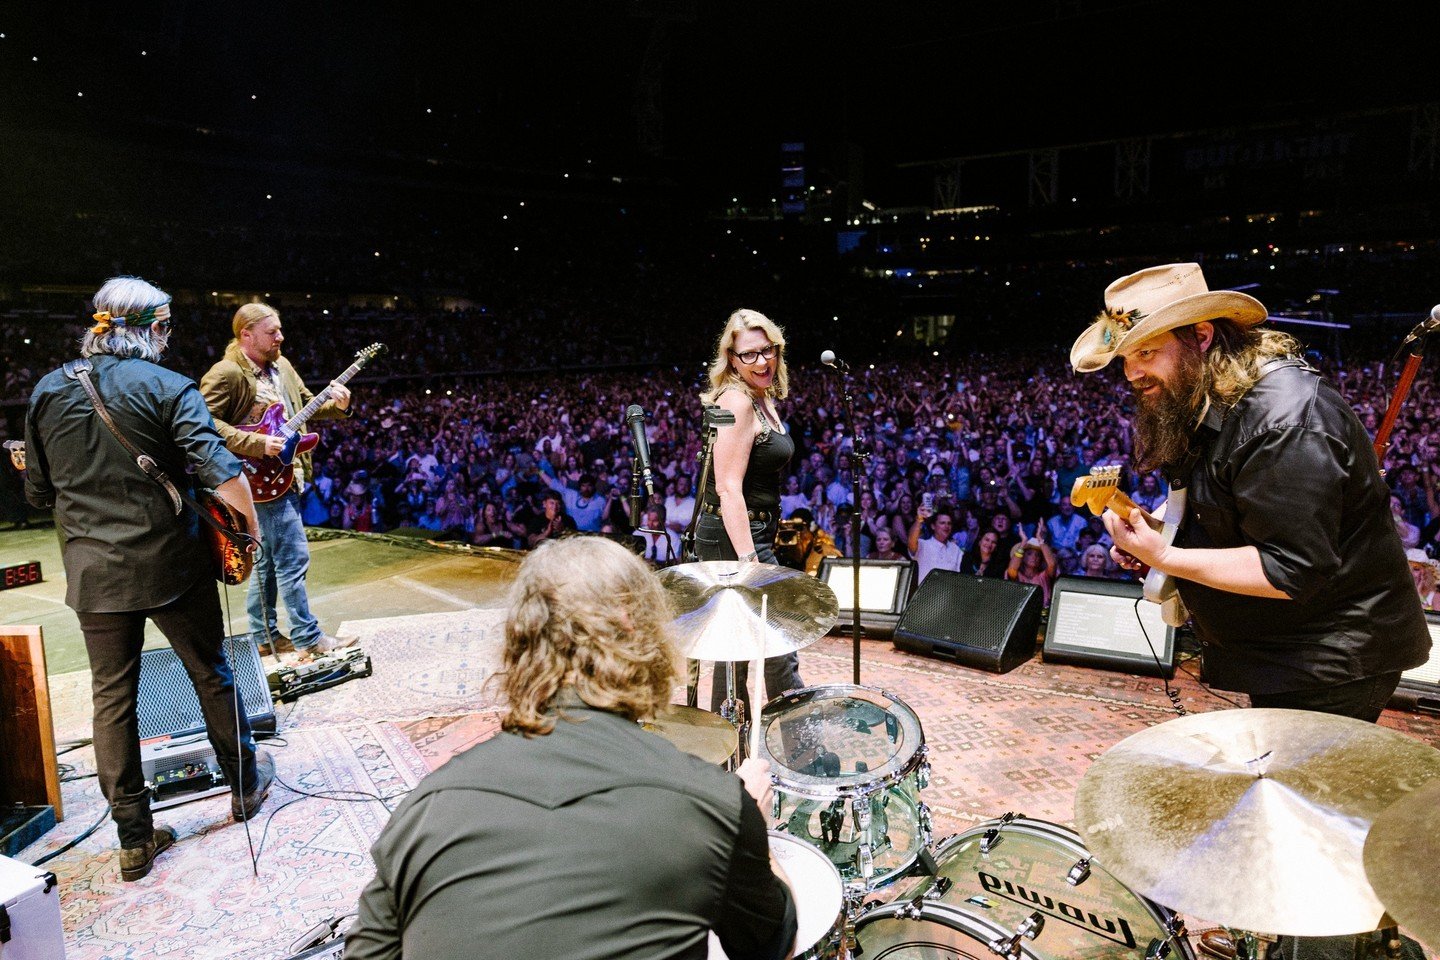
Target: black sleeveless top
[{"x": 769, "y": 456}]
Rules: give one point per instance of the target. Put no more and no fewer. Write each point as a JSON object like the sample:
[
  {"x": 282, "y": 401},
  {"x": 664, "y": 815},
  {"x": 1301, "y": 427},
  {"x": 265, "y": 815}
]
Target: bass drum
[
  {"x": 1007, "y": 869},
  {"x": 930, "y": 930}
]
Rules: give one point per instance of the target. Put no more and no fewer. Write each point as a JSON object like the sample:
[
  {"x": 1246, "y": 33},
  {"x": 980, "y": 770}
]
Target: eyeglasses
[{"x": 752, "y": 356}]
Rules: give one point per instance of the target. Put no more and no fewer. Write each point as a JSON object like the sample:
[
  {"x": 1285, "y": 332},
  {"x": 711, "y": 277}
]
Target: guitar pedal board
[
  {"x": 178, "y": 771},
  {"x": 289, "y": 682}
]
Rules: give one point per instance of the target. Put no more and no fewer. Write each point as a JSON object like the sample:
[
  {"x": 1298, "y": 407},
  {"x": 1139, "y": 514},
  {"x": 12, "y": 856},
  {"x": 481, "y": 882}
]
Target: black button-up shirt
[
  {"x": 1290, "y": 470},
  {"x": 123, "y": 545}
]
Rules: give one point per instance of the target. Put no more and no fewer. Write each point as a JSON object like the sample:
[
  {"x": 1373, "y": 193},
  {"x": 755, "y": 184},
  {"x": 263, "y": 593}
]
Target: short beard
[{"x": 1164, "y": 424}]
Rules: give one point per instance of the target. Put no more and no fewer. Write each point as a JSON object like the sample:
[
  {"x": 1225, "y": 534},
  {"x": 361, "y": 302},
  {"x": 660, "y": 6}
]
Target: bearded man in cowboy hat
[{"x": 1286, "y": 555}]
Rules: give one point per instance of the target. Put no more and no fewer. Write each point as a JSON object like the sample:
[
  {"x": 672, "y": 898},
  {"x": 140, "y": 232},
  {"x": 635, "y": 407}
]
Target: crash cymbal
[
  {"x": 717, "y": 609},
  {"x": 1402, "y": 849},
  {"x": 706, "y": 735},
  {"x": 1255, "y": 819}
]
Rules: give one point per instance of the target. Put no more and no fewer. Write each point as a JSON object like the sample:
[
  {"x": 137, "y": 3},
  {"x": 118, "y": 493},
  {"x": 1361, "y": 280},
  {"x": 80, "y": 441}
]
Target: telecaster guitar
[
  {"x": 272, "y": 477},
  {"x": 1101, "y": 491}
]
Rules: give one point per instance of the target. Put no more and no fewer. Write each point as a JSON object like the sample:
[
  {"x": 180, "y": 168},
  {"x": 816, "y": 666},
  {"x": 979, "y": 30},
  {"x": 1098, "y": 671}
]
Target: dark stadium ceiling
[{"x": 710, "y": 87}]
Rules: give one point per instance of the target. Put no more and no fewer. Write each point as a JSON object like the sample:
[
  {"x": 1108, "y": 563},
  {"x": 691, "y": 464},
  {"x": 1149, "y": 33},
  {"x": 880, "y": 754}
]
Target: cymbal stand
[
  {"x": 733, "y": 709},
  {"x": 1255, "y": 946}
]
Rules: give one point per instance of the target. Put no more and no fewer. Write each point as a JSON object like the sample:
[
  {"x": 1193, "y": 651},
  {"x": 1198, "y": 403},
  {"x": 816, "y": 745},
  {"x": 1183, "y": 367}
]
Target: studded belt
[{"x": 760, "y": 516}]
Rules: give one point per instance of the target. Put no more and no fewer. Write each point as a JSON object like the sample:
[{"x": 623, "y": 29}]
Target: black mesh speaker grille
[
  {"x": 167, "y": 703},
  {"x": 981, "y": 622}
]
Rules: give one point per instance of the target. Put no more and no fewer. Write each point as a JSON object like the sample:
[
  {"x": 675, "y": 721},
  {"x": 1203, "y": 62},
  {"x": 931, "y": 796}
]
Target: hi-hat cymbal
[
  {"x": 1401, "y": 850},
  {"x": 1255, "y": 819},
  {"x": 706, "y": 735},
  {"x": 717, "y": 609}
]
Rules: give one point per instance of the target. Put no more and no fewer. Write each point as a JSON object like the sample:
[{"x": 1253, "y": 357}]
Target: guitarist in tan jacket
[{"x": 249, "y": 380}]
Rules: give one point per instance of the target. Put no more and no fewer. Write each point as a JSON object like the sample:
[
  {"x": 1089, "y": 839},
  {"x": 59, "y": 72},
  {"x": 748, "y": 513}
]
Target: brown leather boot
[
  {"x": 1218, "y": 944},
  {"x": 135, "y": 862}
]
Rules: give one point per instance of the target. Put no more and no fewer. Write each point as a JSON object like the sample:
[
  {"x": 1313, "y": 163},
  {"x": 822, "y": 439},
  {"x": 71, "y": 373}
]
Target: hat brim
[{"x": 1091, "y": 352}]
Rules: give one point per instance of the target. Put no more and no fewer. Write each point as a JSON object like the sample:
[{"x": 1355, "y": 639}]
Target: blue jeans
[{"x": 280, "y": 574}]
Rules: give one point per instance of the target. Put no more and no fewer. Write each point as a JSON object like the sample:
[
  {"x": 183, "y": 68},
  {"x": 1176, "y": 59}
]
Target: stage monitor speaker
[
  {"x": 1419, "y": 689},
  {"x": 885, "y": 588},
  {"x": 1093, "y": 623},
  {"x": 168, "y": 706},
  {"x": 979, "y": 622}
]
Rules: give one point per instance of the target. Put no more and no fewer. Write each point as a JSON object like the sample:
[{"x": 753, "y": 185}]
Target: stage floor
[{"x": 1017, "y": 742}]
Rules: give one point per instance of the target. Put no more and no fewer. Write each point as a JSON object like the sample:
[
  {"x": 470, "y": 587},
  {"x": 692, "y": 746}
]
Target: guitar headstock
[
  {"x": 1096, "y": 490},
  {"x": 371, "y": 352},
  {"x": 17, "y": 454}
]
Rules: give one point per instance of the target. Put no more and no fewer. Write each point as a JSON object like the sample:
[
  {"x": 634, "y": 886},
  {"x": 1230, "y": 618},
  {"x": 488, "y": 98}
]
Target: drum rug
[{"x": 1014, "y": 742}]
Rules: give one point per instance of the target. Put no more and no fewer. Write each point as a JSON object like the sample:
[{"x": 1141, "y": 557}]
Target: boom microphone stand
[{"x": 858, "y": 457}]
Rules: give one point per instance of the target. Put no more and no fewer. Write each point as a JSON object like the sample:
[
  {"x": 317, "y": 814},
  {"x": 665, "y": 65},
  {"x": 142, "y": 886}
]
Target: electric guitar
[
  {"x": 271, "y": 477},
  {"x": 1101, "y": 491},
  {"x": 225, "y": 533}
]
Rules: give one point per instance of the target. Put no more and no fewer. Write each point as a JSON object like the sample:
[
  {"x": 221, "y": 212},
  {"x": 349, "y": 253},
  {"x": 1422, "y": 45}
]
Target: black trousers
[
  {"x": 781, "y": 673},
  {"x": 1361, "y": 699},
  {"x": 195, "y": 629}
]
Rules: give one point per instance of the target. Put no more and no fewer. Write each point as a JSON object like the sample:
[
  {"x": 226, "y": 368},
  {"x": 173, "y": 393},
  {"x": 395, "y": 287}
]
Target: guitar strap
[{"x": 79, "y": 370}]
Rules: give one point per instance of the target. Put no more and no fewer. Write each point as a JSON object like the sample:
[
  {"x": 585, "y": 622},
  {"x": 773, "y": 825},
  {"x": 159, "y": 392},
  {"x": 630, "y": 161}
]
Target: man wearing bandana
[
  {"x": 130, "y": 557},
  {"x": 1286, "y": 556}
]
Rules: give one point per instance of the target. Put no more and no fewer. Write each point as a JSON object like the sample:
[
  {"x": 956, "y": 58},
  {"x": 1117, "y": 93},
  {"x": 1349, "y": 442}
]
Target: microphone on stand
[
  {"x": 1429, "y": 325},
  {"x": 635, "y": 420},
  {"x": 828, "y": 358}
]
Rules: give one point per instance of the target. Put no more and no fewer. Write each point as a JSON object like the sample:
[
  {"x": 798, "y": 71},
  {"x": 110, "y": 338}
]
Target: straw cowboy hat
[{"x": 1151, "y": 302}]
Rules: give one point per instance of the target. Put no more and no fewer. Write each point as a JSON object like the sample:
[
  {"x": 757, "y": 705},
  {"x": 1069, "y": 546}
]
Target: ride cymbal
[
  {"x": 1255, "y": 819},
  {"x": 717, "y": 609}
]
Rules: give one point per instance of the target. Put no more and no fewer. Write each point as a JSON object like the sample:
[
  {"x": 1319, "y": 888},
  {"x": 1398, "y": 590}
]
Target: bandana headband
[{"x": 104, "y": 320}]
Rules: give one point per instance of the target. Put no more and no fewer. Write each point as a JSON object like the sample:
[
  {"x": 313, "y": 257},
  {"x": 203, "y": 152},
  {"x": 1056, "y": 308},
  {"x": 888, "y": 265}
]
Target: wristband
[{"x": 752, "y": 555}]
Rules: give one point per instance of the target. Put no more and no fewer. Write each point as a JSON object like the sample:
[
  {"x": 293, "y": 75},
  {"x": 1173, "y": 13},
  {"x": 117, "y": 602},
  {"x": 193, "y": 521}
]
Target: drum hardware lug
[
  {"x": 1028, "y": 930},
  {"x": 922, "y": 773},
  {"x": 925, "y": 822},
  {"x": 992, "y": 836},
  {"x": 1079, "y": 873},
  {"x": 866, "y": 861},
  {"x": 775, "y": 806},
  {"x": 913, "y": 910},
  {"x": 1159, "y": 949}
]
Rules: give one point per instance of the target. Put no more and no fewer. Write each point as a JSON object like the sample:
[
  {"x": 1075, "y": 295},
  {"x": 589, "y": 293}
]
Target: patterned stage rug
[
  {"x": 202, "y": 900},
  {"x": 998, "y": 743}
]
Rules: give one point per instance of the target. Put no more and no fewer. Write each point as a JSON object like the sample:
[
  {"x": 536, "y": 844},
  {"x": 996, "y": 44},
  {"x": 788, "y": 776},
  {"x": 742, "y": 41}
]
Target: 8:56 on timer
[{"x": 20, "y": 575}]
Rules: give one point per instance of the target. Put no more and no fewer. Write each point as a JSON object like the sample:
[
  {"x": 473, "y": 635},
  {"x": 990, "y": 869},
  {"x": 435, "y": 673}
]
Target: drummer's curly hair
[{"x": 589, "y": 614}]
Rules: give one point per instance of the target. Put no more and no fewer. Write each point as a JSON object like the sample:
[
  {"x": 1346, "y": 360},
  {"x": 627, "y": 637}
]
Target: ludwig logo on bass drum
[{"x": 1116, "y": 929}]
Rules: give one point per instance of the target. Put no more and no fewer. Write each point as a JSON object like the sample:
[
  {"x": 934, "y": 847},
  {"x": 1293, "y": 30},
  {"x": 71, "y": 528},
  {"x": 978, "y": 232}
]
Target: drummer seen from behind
[
  {"x": 739, "y": 508},
  {"x": 575, "y": 832},
  {"x": 1286, "y": 556}
]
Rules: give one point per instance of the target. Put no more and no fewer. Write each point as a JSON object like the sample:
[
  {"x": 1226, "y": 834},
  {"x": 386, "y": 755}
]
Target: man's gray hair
[{"x": 121, "y": 296}]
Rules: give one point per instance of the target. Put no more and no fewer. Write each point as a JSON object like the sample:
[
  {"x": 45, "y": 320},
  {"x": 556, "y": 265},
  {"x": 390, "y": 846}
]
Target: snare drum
[
  {"x": 819, "y": 900},
  {"x": 849, "y": 764},
  {"x": 1004, "y": 870},
  {"x": 931, "y": 930}
]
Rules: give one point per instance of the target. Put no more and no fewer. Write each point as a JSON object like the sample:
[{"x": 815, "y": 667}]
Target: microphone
[
  {"x": 1424, "y": 328},
  {"x": 828, "y": 358},
  {"x": 635, "y": 420}
]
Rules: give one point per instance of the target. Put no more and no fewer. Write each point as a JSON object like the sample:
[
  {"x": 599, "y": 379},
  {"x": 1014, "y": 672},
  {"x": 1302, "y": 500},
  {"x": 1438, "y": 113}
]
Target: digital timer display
[{"x": 20, "y": 575}]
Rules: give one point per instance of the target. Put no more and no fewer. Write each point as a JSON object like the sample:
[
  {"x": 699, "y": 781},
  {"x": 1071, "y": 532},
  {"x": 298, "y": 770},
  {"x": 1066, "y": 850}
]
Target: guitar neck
[{"x": 320, "y": 399}]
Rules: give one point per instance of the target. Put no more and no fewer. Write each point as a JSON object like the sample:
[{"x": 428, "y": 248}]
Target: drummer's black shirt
[
  {"x": 599, "y": 839},
  {"x": 1290, "y": 470}
]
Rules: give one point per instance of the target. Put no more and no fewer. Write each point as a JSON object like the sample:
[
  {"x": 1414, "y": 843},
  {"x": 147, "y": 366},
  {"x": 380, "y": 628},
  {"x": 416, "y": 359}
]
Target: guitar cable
[
  {"x": 1174, "y": 694},
  {"x": 239, "y": 751}
]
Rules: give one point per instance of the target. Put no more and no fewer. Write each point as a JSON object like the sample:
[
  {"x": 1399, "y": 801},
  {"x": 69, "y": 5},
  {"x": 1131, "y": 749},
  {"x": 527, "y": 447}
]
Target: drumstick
[{"x": 757, "y": 667}]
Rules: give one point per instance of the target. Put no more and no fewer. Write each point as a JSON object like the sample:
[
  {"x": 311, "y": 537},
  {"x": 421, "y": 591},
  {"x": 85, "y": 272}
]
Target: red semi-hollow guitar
[{"x": 272, "y": 477}]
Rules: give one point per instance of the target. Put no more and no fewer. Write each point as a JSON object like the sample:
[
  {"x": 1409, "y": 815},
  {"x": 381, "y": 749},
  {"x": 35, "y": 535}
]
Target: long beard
[{"x": 1165, "y": 423}]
